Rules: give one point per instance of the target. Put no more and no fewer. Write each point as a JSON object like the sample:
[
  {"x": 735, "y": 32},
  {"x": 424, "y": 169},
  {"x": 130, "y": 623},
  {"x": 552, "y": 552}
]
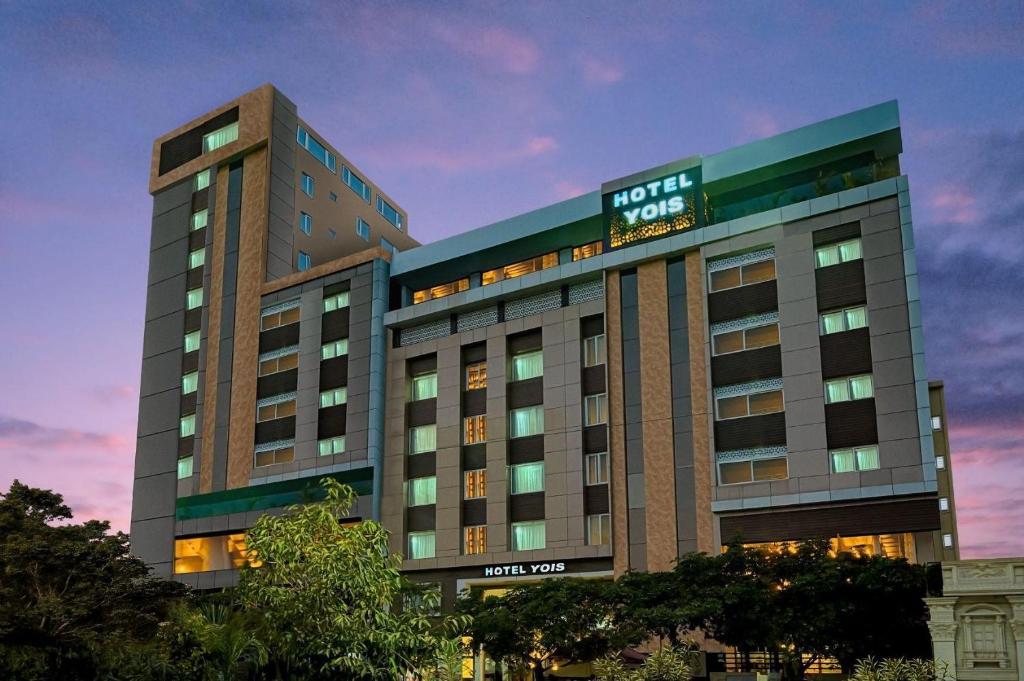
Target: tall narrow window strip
[
  {"x": 526, "y": 421},
  {"x": 527, "y": 365},
  {"x": 220, "y": 138}
]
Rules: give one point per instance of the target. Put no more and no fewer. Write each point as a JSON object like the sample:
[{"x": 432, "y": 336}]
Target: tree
[{"x": 71, "y": 595}]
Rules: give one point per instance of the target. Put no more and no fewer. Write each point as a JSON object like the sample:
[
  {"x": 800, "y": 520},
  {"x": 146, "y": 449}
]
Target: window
[
  {"x": 318, "y": 150},
  {"x": 423, "y": 438},
  {"x": 331, "y": 233},
  {"x": 202, "y": 180},
  {"x": 599, "y": 529},
  {"x": 742, "y": 275},
  {"x": 193, "y": 298},
  {"x": 338, "y": 348},
  {"x": 275, "y": 410},
  {"x": 476, "y": 376},
  {"x": 187, "y": 426},
  {"x": 190, "y": 383},
  {"x": 734, "y": 472},
  {"x": 947, "y": 541},
  {"x": 218, "y": 138},
  {"x": 527, "y": 477},
  {"x": 307, "y": 185},
  {"x": 587, "y": 250},
  {"x": 421, "y": 545},
  {"x": 475, "y": 484},
  {"x": 844, "y": 320},
  {"x": 196, "y": 258},
  {"x": 594, "y": 350},
  {"x": 363, "y": 229},
  {"x": 306, "y": 223},
  {"x": 527, "y": 365},
  {"x": 269, "y": 457},
  {"x": 185, "y": 467},
  {"x": 199, "y": 219},
  {"x": 936, "y": 423},
  {"x": 305, "y": 262},
  {"x": 833, "y": 254},
  {"x": 745, "y": 339},
  {"x": 331, "y": 446},
  {"x": 272, "y": 320},
  {"x": 423, "y": 491},
  {"x": 943, "y": 503},
  {"x": 595, "y": 469},
  {"x": 280, "y": 363},
  {"x": 424, "y": 386},
  {"x": 595, "y": 409},
  {"x": 849, "y": 388},
  {"x": 333, "y": 397},
  {"x": 528, "y": 536},
  {"x": 192, "y": 341},
  {"x": 518, "y": 269},
  {"x": 940, "y": 462},
  {"x": 333, "y": 197},
  {"x": 474, "y": 540},
  {"x": 738, "y": 406},
  {"x": 390, "y": 213},
  {"x": 387, "y": 246},
  {"x": 355, "y": 183},
  {"x": 526, "y": 421},
  {"x": 855, "y": 459},
  {"x": 474, "y": 429},
  {"x": 336, "y": 301},
  {"x": 203, "y": 554},
  {"x": 439, "y": 291}
]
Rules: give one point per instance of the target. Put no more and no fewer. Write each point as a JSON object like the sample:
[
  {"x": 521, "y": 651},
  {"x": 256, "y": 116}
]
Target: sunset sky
[{"x": 470, "y": 113}]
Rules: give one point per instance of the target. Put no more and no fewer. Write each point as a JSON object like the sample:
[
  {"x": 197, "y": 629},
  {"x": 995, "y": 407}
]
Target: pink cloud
[
  {"x": 955, "y": 204},
  {"x": 495, "y": 47},
  {"x": 601, "y": 72},
  {"x": 758, "y": 124},
  {"x": 110, "y": 394},
  {"x": 566, "y": 189},
  {"x": 18, "y": 433}
]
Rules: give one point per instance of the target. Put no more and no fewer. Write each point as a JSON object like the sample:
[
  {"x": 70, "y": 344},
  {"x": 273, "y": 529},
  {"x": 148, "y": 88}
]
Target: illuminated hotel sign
[
  {"x": 524, "y": 569},
  {"x": 648, "y": 210}
]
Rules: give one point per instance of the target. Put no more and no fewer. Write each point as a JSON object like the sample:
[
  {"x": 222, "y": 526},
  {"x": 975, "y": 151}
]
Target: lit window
[
  {"x": 424, "y": 386},
  {"x": 742, "y": 275},
  {"x": 439, "y": 291},
  {"x": 388, "y": 246},
  {"x": 190, "y": 383},
  {"x": 587, "y": 250},
  {"x": 362, "y": 229},
  {"x": 594, "y": 350},
  {"x": 338, "y": 348},
  {"x": 476, "y": 376},
  {"x": 526, "y": 421},
  {"x": 527, "y": 477},
  {"x": 751, "y": 404},
  {"x": 194, "y": 298},
  {"x": 745, "y": 339},
  {"x": 331, "y": 446},
  {"x": 528, "y": 536},
  {"x": 474, "y": 429},
  {"x": 475, "y": 484},
  {"x": 518, "y": 269},
  {"x": 527, "y": 365},
  {"x": 333, "y": 398},
  {"x": 185, "y": 467},
  {"x": 279, "y": 363},
  {"x": 475, "y": 540},
  {"x": 187, "y": 426},
  {"x": 833, "y": 254},
  {"x": 943, "y": 503},
  {"x": 305, "y": 262},
  {"x": 936, "y": 423},
  {"x": 306, "y": 223},
  {"x": 599, "y": 529},
  {"x": 595, "y": 469},
  {"x": 273, "y": 455},
  {"x": 196, "y": 258},
  {"x": 947, "y": 541},
  {"x": 734, "y": 472},
  {"x": 423, "y": 491},
  {"x": 849, "y": 388},
  {"x": 319, "y": 151},
  {"x": 199, "y": 219},
  {"x": 192, "y": 341},
  {"x": 421, "y": 545},
  {"x": 307, "y": 185},
  {"x": 275, "y": 410},
  {"x": 202, "y": 180},
  {"x": 205, "y": 554},
  {"x": 844, "y": 320},
  {"x": 855, "y": 459},
  {"x": 423, "y": 438},
  {"x": 336, "y": 301},
  {"x": 218, "y": 138},
  {"x": 389, "y": 212},
  {"x": 355, "y": 183},
  {"x": 595, "y": 409},
  {"x": 940, "y": 462},
  {"x": 272, "y": 320}
]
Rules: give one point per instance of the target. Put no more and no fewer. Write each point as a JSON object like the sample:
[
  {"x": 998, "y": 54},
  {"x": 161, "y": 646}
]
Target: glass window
[
  {"x": 947, "y": 541},
  {"x": 527, "y": 365},
  {"x": 596, "y": 469},
  {"x": 307, "y": 184},
  {"x": 278, "y": 364},
  {"x": 474, "y": 429},
  {"x": 844, "y": 320},
  {"x": 424, "y": 386},
  {"x": 599, "y": 529},
  {"x": 363, "y": 229},
  {"x": 318, "y": 150},
  {"x": 194, "y": 298},
  {"x": 331, "y": 446},
  {"x": 742, "y": 275},
  {"x": 734, "y": 472},
  {"x": 306, "y": 223},
  {"x": 746, "y": 339},
  {"x": 204, "y": 554},
  {"x": 940, "y": 462},
  {"x": 867, "y": 458},
  {"x": 855, "y": 459},
  {"x": 333, "y": 197},
  {"x": 475, "y": 484},
  {"x": 936, "y": 423},
  {"x": 185, "y": 467},
  {"x": 595, "y": 409},
  {"x": 199, "y": 219},
  {"x": 192, "y": 341},
  {"x": 587, "y": 250},
  {"x": 594, "y": 350},
  {"x": 528, "y": 536},
  {"x": 272, "y": 320},
  {"x": 833, "y": 254},
  {"x": 331, "y": 233},
  {"x": 338, "y": 348},
  {"x": 187, "y": 426},
  {"x": 943, "y": 503},
  {"x": 423, "y": 438},
  {"x": 218, "y": 138},
  {"x": 389, "y": 212},
  {"x": 390, "y": 248},
  {"x": 526, "y": 421},
  {"x": 729, "y": 341},
  {"x": 476, "y": 376},
  {"x": 770, "y": 469},
  {"x": 190, "y": 383},
  {"x": 336, "y": 301},
  {"x": 423, "y": 491},
  {"x": 196, "y": 258},
  {"x": 421, "y": 545},
  {"x": 277, "y": 410},
  {"x": 202, "y": 180},
  {"x": 475, "y": 540},
  {"x": 440, "y": 291},
  {"x": 333, "y": 397},
  {"x": 527, "y": 477},
  {"x": 355, "y": 183},
  {"x": 843, "y": 461},
  {"x": 738, "y": 406},
  {"x": 849, "y": 388},
  {"x": 305, "y": 262},
  {"x": 269, "y": 457},
  {"x": 518, "y": 269}
]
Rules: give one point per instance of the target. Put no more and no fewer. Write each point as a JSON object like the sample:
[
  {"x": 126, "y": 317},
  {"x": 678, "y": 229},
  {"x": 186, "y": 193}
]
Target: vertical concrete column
[
  {"x": 943, "y": 627},
  {"x": 703, "y": 473},
  {"x": 617, "y": 425}
]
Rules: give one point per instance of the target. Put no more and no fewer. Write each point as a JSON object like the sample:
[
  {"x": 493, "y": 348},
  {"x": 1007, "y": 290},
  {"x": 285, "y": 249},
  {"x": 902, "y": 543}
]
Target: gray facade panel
[
  {"x": 159, "y": 413},
  {"x": 166, "y": 296},
  {"x": 162, "y": 373}
]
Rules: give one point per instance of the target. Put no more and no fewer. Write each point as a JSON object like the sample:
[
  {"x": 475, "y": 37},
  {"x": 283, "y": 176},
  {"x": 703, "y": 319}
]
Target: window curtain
[
  {"x": 422, "y": 491},
  {"x": 596, "y": 469},
  {"x": 842, "y": 461},
  {"x": 528, "y": 477},
  {"x": 832, "y": 322},
  {"x": 857, "y": 318},
  {"x": 423, "y": 439},
  {"x": 199, "y": 219},
  {"x": 529, "y": 365},
  {"x": 849, "y": 251},
  {"x": 527, "y": 421},
  {"x": 421, "y": 545},
  {"x": 867, "y": 458},
  {"x": 528, "y": 536},
  {"x": 424, "y": 387},
  {"x": 861, "y": 387},
  {"x": 837, "y": 391},
  {"x": 218, "y": 138},
  {"x": 829, "y": 255}
]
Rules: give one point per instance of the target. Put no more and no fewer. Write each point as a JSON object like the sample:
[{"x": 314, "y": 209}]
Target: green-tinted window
[
  {"x": 196, "y": 258},
  {"x": 202, "y": 180},
  {"x": 527, "y": 478},
  {"x": 336, "y": 302},
  {"x": 423, "y": 491},
  {"x": 332, "y": 398},
  {"x": 527, "y": 365},
  {"x": 528, "y": 536},
  {"x": 199, "y": 219},
  {"x": 424, "y": 386},
  {"x": 526, "y": 421},
  {"x": 185, "y": 467},
  {"x": 423, "y": 439},
  {"x": 338, "y": 348},
  {"x": 331, "y": 446},
  {"x": 218, "y": 138},
  {"x": 194, "y": 298},
  {"x": 187, "y": 426},
  {"x": 190, "y": 383},
  {"x": 192, "y": 341},
  {"x": 421, "y": 545}
]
